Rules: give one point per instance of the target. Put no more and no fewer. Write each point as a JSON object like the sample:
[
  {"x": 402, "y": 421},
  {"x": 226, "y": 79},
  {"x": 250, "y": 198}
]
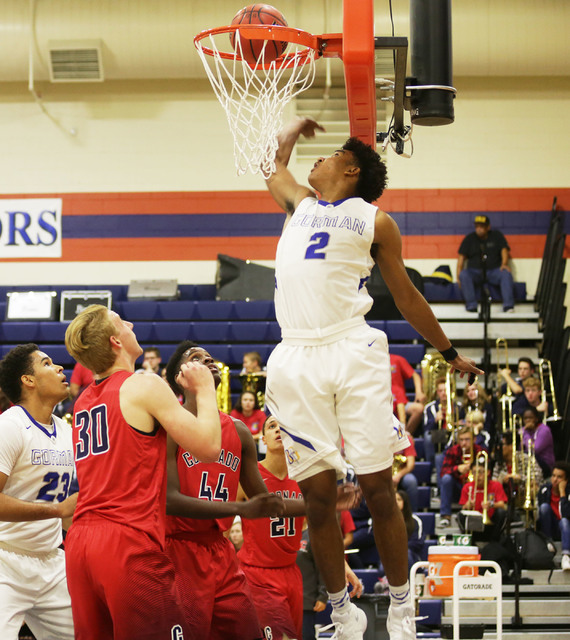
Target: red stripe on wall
[
  {"x": 155, "y": 249},
  {"x": 394, "y": 200}
]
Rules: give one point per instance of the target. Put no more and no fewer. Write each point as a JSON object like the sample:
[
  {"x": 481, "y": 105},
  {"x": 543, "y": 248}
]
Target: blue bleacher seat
[
  {"x": 209, "y": 332},
  {"x": 413, "y": 353},
  {"x": 420, "y": 448},
  {"x": 171, "y": 331},
  {"x": 400, "y": 330},
  {"x": 249, "y": 331},
  {"x": 52, "y": 331},
  {"x": 424, "y": 497},
  {"x": 214, "y": 310},
  {"x": 428, "y": 520},
  {"x": 422, "y": 471},
  {"x": 368, "y": 577},
  {"x": 144, "y": 331},
  {"x": 274, "y": 331},
  {"x": 133, "y": 310},
  {"x": 19, "y": 332},
  {"x": 178, "y": 310},
  {"x": 254, "y": 310}
]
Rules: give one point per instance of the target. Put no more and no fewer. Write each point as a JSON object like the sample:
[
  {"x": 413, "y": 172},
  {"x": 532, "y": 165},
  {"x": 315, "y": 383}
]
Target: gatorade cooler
[{"x": 442, "y": 561}]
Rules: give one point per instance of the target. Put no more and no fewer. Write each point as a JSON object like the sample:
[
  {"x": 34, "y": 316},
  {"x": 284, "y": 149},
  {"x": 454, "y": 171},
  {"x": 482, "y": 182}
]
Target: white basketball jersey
[
  {"x": 38, "y": 461},
  {"x": 322, "y": 263}
]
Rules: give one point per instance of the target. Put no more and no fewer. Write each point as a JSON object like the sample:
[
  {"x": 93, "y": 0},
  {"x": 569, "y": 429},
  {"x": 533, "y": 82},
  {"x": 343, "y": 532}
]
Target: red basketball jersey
[
  {"x": 121, "y": 471},
  {"x": 209, "y": 481},
  {"x": 273, "y": 542}
]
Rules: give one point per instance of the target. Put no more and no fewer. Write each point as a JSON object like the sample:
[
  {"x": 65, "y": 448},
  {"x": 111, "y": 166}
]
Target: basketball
[{"x": 252, "y": 49}]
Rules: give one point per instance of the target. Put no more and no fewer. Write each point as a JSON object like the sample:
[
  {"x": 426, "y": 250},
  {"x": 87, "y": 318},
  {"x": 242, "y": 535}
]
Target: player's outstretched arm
[
  {"x": 146, "y": 399},
  {"x": 16, "y": 510},
  {"x": 408, "y": 299},
  {"x": 286, "y": 191}
]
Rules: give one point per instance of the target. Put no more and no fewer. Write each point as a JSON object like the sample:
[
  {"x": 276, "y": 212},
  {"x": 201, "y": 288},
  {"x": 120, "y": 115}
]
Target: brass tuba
[
  {"x": 223, "y": 392},
  {"x": 434, "y": 366}
]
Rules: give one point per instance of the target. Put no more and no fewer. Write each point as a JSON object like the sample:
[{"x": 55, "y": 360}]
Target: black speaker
[
  {"x": 242, "y": 280},
  {"x": 384, "y": 307}
]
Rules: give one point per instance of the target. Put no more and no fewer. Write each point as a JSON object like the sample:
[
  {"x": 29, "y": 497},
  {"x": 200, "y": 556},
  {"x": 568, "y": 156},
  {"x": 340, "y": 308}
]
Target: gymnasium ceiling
[{"x": 153, "y": 39}]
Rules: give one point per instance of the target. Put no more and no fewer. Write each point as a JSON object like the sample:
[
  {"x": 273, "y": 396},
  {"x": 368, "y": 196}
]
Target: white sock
[
  {"x": 340, "y": 601},
  {"x": 400, "y": 595}
]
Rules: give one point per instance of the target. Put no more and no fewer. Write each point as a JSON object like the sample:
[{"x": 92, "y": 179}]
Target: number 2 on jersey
[{"x": 315, "y": 251}]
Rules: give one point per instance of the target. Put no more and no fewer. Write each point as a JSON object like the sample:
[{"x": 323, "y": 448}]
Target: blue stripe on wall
[{"x": 270, "y": 224}]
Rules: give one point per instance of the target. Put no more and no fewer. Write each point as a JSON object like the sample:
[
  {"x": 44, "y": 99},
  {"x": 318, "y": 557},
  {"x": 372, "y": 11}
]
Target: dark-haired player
[
  {"x": 329, "y": 378},
  {"x": 201, "y": 503},
  {"x": 36, "y": 466}
]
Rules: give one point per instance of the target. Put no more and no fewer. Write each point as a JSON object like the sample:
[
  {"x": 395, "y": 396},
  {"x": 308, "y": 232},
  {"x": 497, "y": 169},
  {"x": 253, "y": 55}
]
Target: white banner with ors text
[{"x": 30, "y": 228}]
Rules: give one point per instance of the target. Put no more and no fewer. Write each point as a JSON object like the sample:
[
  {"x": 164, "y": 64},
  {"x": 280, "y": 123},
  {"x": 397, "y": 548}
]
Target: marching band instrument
[
  {"x": 501, "y": 343},
  {"x": 529, "y": 505},
  {"x": 506, "y": 399},
  {"x": 223, "y": 392},
  {"x": 434, "y": 367},
  {"x": 543, "y": 364},
  {"x": 399, "y": 463},
  {"x": 256, "y": 384},
  {"x": 482, "y": 455}
]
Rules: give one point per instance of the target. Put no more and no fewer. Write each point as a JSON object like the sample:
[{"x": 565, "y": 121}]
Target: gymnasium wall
[{"x": 146, "y": 175}]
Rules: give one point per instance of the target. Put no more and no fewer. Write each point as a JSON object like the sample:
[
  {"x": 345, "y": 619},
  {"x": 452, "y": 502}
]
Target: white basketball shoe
[
  {"x": 351, "y": 625},
  {"x": 401, "y": 623}
]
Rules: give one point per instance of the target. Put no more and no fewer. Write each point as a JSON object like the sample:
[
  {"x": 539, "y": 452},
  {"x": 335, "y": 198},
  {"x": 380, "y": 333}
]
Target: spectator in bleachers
[
  {"x": 81, "y": 378},
  {"x": 554, "y": 509},
  {"x": 536, "y": 431},
  {"x": 235, "y": 534},
  {"x": 475, "y": 398},
  {"x": 525, "y": 369},
  {"x": 409, "y": 413},
  {"x": 434, "y": 418},
  {"x": 252, "y": 363},
  {"x": 472, "y": 499},
  {"x": 455, "y": 470},
  {"x": 532, "y": 397},
  {"x": 347, "y": 527},
  {"x": 503, "y": 469},
  {"x": 403, "y": 476},
  {"x": 486, "y": 251},
  {"x": 476, "y": 420},
  {"x": 247, "y": 410},
  {"x": 151, "y": 361},
  {"x": 366, "y": 554}
]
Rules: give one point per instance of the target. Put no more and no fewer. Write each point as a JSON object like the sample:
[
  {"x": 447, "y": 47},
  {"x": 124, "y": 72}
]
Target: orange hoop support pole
[{"x": 359, "y": 68}]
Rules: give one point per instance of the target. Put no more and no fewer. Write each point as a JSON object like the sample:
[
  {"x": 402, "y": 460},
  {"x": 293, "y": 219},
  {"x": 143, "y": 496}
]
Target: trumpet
[
  {"x": 223, "y": 392},
  {"x": 543, "y": 364},
  {"x": 482, "y": 456}
]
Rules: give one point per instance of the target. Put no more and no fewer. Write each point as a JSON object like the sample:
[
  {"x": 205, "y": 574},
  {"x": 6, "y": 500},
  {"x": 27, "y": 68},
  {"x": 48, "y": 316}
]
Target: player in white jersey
[
  {"x": 329, "y": 379},
  {"x": 36, "y": 467}
]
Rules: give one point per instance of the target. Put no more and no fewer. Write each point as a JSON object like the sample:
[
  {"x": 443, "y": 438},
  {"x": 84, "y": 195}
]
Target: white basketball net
[{"x": 254, "y": 98}]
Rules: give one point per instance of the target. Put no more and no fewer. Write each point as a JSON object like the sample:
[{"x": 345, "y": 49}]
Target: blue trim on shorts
[{"x": 297, "y": 439}]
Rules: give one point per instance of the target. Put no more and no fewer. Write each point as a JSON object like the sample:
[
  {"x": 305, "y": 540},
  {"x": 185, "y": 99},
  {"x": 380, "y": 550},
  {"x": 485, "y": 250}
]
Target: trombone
[
  {"x": 529, "y": 505},
  {"x": 506, "y": 399},
  {"x": 482, "y": 456},
  {"x": 544, "y": 364}
]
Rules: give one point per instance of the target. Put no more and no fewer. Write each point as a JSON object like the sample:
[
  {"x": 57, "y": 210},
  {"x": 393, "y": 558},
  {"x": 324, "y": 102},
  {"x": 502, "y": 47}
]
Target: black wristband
[{"x": 449, "y": 354}]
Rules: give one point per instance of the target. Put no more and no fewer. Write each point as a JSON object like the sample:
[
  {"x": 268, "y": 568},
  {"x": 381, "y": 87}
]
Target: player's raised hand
[
  {"x": 195, "y": 377},
  {"x": 264, "y": 505},
  {"x": 348, "y": 496},
  {"x": 465, "y": 365}
]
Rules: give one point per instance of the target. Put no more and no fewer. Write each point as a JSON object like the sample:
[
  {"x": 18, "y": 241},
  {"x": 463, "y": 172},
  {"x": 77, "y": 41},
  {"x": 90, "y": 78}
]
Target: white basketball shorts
[{"x": 324, "y": 393}]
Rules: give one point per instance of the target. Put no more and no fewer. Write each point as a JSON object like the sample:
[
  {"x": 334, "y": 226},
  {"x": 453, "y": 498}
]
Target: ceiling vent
[{"x": 75, "y": 61}]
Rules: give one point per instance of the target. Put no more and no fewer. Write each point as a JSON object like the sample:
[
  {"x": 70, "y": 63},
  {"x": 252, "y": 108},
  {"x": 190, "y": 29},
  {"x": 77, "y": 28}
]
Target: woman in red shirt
[{"x": 247, "y": 410}]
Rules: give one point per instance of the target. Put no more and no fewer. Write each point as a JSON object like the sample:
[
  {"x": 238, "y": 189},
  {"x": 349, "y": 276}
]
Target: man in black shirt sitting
[{"x": 487, "y": 253}]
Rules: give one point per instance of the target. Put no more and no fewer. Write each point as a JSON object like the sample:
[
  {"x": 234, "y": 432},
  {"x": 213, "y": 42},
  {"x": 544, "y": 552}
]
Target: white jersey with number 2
[{"x": 322, "y": 264}]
